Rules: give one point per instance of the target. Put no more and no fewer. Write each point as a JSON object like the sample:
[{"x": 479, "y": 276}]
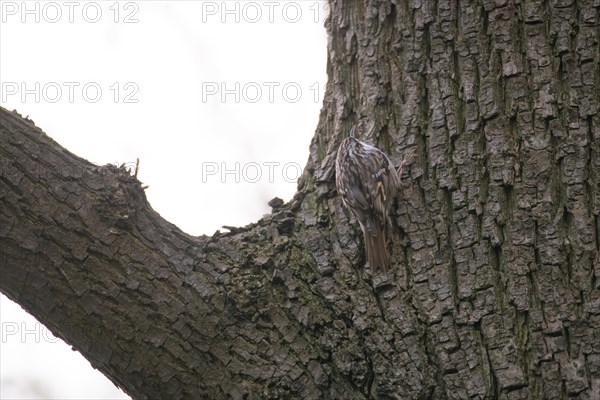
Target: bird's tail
[{"x": 375, "y": 247}]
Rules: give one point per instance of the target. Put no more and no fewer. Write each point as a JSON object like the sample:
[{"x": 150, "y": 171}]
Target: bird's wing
[{"x": 383, "y": 185}]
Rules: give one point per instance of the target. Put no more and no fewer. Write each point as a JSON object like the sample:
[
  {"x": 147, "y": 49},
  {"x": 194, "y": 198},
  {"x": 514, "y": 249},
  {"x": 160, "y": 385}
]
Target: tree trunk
[{"x": 493, "y": 290}]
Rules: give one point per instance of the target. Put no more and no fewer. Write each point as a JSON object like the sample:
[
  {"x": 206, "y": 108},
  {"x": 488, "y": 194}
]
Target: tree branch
[{"x": 161, "y": 313}]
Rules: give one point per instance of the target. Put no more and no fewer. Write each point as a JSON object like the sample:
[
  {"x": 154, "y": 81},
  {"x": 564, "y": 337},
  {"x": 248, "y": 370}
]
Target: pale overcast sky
[{"x": 218, "y": 100}]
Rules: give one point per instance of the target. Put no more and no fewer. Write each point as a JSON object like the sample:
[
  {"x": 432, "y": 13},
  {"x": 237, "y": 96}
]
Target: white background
[{"x": 218, "y": 100}]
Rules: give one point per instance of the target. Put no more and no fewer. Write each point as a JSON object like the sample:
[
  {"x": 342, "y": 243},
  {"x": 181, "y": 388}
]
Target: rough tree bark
[{"x": 494, "y": 289}]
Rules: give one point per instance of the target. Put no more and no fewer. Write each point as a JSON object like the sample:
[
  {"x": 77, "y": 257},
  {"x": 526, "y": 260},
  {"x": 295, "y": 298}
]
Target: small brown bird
[{"x": 367, "y": 181}]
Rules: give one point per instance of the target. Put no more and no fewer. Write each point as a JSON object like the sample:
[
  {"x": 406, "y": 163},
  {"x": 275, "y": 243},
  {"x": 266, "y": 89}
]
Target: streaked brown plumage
[{"x": 367, "y": 181}]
